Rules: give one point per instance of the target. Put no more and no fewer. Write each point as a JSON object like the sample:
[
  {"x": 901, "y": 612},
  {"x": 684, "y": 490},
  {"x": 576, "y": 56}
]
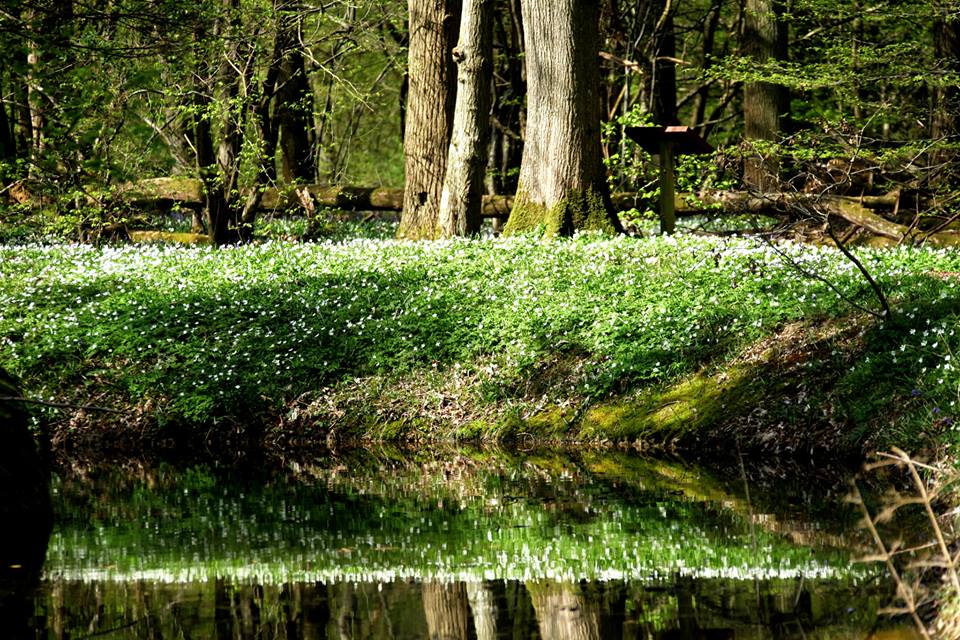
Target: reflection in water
[
  {"x": 465, "y": 546},
  {"x": 685, "y": 609},
  {"x": 25, "y": 515}
]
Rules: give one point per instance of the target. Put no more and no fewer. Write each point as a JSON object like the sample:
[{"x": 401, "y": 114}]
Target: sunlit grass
[{"x": 197, "y": 333}]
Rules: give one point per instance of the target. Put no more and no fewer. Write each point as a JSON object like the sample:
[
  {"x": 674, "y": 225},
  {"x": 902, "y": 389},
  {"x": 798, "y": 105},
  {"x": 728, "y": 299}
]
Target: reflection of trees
[
  {"x": 445, "y": 606},
  {"x": 483, "y": 605},
  {"x": 563, "y": 611},
  {"x": 305, "y": 610}
]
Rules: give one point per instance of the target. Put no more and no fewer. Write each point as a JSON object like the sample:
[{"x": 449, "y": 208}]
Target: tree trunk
[
  {"x": 8, "y": 148},
  {"x": 483, "y": 605},
  {"x": 429, "y": 116},
  {"x": 563, "y": 613},
  {"x": 765, "y": 104},
  {"x": 445, "y": 606},
  {"x": 217, "y": 163},
  {"x": 463, "y": 184},
  {"x": 665, "y": 78},
  {"x": 945, "y": 119},
  {"x": 562, "y": 184},
  {"x": 294, "y": 99}
]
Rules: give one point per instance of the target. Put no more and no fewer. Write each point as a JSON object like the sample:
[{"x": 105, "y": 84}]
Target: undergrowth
[{"x": 194, "y": 335}]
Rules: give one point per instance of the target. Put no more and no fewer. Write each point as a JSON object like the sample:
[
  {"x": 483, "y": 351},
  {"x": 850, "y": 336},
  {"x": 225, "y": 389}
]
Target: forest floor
[{"x": 684, "y": 342}]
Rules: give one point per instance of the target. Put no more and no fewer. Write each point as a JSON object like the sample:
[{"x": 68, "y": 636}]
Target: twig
[
  {"x": 877, "y": 291},
  {"x": 938, "y": 532},
  {"x": 904, "y": 592}
]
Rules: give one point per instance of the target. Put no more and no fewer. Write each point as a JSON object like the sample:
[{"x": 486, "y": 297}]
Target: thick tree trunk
[
  {"x": 445, "y": 606},
  {"x": 765, "y": 104},
  {"x": 460, "y": 200},
  {"x": 429, "y": 117},
  {"x": 562, "y": 184},
  {"x": 563, "y": 613}
]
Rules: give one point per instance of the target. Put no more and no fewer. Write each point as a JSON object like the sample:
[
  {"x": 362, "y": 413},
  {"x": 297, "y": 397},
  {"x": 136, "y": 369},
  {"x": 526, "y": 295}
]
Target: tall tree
[
  {"x": 218, "y": 86},
  {"x": 463, "y": 184},
  {"x": 945, "y": 119},
  {"x": 765, "y": 104},
  {"x": 434, "y": 25},
  {"x": 446, "y": 609},
  {"x": 294, "y": 100},
  {"x": 563, "y": 612},
  {"x": 562, "y": 183}
]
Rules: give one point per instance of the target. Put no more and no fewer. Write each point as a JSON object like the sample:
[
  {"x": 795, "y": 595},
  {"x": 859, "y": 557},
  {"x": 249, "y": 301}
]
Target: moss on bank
[{"x": 656, "y": 342}]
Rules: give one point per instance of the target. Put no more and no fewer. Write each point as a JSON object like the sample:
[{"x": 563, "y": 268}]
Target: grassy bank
[{"x": 683, "y": 340}]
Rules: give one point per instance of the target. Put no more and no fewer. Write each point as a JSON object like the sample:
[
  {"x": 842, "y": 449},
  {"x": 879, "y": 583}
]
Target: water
[{"x": 452, "y": 545}]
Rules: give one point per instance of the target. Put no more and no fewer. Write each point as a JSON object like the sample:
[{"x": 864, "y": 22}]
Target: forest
[
  {"x": 243, "y": 105},
  {"x": 370, "y": 278}
]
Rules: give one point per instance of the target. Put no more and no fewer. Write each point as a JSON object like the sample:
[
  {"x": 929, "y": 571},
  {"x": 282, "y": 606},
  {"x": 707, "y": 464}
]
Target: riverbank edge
[{"x": 778, "y": 398}]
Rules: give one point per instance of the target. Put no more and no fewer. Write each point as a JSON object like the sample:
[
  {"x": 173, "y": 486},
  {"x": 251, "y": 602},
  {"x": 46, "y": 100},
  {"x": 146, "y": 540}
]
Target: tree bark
[
  {"x": 460, "y": 199},
  {"x": 563, "y": 613},
  {"x": 665, "y": 77},
  {"x": 8, "y": 148},
  {"x": 294, "y": 99},
  {"x": 429, "y": 115},
  {"x": 765, "y": 104},
  {"x": 945, "y": 119},
  {"x": 562, "y": 185},
  {"x": 445, "y": 606},
  {"x": 483, "y": 605}
]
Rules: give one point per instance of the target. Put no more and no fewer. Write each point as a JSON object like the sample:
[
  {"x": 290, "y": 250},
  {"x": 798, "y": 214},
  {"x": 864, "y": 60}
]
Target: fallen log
[
  {"x": 189, "y": 192},
  {"x": 859, "y": 215},
  {"x": 169, "y": 237}
]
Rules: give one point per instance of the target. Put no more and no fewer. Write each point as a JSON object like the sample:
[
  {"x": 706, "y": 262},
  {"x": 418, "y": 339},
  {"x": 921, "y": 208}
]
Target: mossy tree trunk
[
  {"x": 467, "y": 158},
  {"x": 434, "y": 25},
  {"x": 765, "y": 104},
  {"x": 562, "y": 186}
]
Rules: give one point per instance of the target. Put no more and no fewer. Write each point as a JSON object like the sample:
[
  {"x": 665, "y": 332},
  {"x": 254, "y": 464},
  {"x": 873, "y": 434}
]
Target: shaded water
[{"x": 460, "y": 545}]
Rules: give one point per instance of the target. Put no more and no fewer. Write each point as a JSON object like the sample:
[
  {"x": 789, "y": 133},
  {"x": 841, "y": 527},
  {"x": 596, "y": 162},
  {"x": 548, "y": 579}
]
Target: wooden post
[
  {"x": 668, "y": 216},
  {"x": 668, "y": 142}
]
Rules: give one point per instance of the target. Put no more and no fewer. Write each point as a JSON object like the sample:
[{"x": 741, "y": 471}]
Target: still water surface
[{"x": 454, "y": 545}]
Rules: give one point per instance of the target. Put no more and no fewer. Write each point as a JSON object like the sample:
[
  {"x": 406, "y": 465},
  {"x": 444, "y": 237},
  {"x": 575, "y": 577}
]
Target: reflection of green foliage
[{"x": 509, "y": 520}]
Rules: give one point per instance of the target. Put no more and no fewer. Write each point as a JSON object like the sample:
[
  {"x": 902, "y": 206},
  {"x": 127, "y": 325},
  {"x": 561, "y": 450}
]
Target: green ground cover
[{"x": 596, "y": 337}]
